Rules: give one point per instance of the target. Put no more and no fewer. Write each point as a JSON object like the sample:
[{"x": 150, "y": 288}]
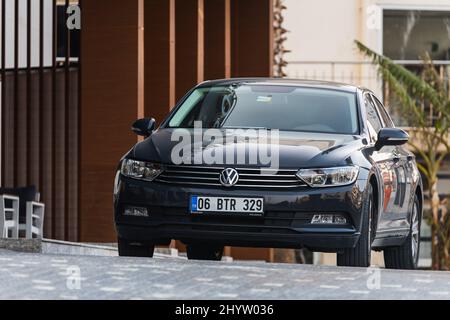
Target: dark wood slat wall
[
  {"x": 43, "y": 101},
  {"x": 46, "y": 182},
  {"x": 112, "y": 98},
  {"x": 35, "y": 140},
  {"x": 16, "y": 149},
  {"x": 252, "y": 38},
  {"x": 53, "y": 211},
  {"x": 252, "y": 56},
  {"x": 159, "y": 81},
  {"x": 20, "y": 132},
  {"x": 59, "y": 130},
  {"x": 71, "y": 152},
  {"x": 39, "y": 114},
  {"x": 66, "y": 121},
  {"x": 29, "y": 93},
  {"x": 217, "y": 39},
  {"x": 179, "y": 52},
  {"x": 8, "y": 143},
  {"x": 76, "y": 173},
  {"x": 189, "y": 39},
  {"x": 72, "y": 156},
  {"x": 3, "y": 87},
  {"x": 33, "y": 128}
]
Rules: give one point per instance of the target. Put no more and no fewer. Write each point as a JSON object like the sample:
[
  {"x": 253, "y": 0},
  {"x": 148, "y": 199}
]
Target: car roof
[{"x": 283, "y": 82}]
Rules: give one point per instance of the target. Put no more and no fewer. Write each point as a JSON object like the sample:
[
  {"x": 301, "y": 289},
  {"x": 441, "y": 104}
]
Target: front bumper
[{"x": 286, "y": 223}]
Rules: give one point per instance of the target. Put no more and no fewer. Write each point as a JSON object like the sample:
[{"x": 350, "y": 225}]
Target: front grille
[
  {"x": 248, "y": 177},
  {"x": 271, "y": 219}
]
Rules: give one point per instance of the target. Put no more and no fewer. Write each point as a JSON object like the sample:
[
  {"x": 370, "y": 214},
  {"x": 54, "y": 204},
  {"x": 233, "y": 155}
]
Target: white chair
[
  {"x": 34, "y": 220},
  {"x": 9, "y": 216}
]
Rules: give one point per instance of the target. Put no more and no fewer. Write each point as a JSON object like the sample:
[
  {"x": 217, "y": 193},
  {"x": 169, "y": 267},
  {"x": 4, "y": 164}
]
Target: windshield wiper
[{"x": 247, "y": 128}]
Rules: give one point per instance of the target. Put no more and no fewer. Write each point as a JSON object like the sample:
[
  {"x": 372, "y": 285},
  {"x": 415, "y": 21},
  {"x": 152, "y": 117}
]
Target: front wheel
[
  {"x": 130, "y": 249},
  {"x": 406, "y": 256},
  {"x": 360, "y": 255},
  {"x": 204, "y": 252}
]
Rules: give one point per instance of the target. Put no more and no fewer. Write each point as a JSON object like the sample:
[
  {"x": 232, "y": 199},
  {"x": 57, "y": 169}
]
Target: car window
[
  {"x": 287, "y": 108},
  {"x": 382, "y": 111},
  {"x": 374, "y": 123}
]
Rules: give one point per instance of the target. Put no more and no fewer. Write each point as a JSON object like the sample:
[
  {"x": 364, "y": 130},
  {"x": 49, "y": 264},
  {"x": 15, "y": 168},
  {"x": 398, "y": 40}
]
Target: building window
[{"x": 407, "y": 35}]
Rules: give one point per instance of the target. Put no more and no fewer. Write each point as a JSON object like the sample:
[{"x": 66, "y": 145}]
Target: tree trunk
[
  {"x": 445, "y": 223},
  {"x": 435, "y": 203}
]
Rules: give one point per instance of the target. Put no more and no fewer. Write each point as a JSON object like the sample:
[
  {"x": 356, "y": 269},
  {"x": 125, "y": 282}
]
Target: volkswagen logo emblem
[{"x": 229, "y": 177}]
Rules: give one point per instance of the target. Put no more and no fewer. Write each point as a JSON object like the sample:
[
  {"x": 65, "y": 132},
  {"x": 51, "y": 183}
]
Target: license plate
[{"x": 250, "y": 206}]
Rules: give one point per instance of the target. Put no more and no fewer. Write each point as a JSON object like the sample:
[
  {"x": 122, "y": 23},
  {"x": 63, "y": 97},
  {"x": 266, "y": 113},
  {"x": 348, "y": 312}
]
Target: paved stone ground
[{"x": 44, "y": 276}]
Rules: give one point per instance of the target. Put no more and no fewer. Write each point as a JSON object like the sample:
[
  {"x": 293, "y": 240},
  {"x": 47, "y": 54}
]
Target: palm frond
[
  {"x": 415, "y": 114},
  {"x": 416, "y": 86}
]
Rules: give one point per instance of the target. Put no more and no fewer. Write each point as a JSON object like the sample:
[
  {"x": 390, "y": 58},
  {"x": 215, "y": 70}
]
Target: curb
[{"x": 58, "y": 247}]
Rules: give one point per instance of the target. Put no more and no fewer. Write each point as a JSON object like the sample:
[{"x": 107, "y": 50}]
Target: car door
[
  {"x": 386, "y": 161},
  {"x": 403, "y": 170}
]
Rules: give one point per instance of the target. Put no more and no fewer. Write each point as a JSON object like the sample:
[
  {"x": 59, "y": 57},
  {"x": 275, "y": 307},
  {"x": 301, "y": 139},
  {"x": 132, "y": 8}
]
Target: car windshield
[{"x": 287, "y": 108}]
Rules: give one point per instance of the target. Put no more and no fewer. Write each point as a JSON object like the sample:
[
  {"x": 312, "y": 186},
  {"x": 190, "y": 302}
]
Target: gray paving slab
[{"x": 47, "y": 276}]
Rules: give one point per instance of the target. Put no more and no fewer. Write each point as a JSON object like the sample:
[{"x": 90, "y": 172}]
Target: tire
[
  {"x": 204, "y": 252},
  {"x": 360, "y": 255},
  {"x": 131, "y": 249},
  {"x": 406, "y": 256}
]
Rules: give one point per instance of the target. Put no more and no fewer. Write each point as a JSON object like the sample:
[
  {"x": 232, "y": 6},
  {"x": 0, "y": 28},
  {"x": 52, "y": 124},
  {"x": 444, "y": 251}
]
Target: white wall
[
  {"x": 325, "y": 30},
  {"x": 320, "y": 29},
  {"x": 35, "y": 26}
]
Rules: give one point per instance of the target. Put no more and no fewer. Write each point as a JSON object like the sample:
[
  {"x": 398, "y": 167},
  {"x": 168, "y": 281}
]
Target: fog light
[
  {"x": 328, "y": 219},
  {"x": 135, "y": 212}
]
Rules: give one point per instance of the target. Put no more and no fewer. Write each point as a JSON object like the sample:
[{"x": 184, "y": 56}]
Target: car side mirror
[
  {"x": 391, "y": 137},
  {"x": 144, "y": 127}
]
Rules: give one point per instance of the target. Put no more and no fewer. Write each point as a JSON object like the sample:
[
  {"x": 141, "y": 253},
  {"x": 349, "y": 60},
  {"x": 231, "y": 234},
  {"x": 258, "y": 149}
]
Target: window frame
[
  {"x": 403, "y": 7},
  {"x": 381, "y": 110},
  {"x": 210, "y": 85},
  {"x": 371, "y": 130}
]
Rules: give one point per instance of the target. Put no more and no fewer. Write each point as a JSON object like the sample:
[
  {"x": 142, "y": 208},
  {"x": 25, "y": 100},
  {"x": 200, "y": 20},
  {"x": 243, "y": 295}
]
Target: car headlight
[
  {"x": 329, "y": 177},
  {"x": 140, "y": 170}
]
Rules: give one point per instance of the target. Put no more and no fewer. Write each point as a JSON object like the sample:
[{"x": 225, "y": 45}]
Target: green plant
[{"x": 430, "y": 133}]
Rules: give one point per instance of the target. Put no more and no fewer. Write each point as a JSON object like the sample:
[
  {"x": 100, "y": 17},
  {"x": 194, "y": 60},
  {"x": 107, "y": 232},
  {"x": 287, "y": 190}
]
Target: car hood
[{"x": 295, "y": 149}]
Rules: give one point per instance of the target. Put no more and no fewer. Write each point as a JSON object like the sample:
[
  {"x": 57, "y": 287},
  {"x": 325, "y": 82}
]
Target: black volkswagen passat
[{"x": 339, "y": 178}]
